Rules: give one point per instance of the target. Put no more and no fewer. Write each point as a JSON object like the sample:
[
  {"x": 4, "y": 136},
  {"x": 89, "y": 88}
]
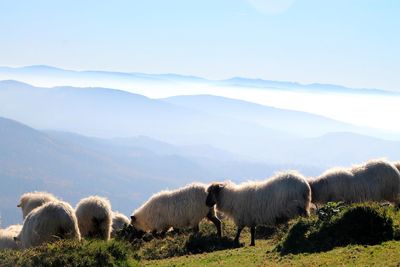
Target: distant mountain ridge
[{"x": 57, "y": 75}]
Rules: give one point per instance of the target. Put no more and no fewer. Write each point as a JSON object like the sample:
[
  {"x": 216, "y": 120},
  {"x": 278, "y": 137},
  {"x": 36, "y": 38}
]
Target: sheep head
[
  {"x": 213, "y": 192},
  {"x": 133, "y": 219},
  {"x": 137, "y": 223}
]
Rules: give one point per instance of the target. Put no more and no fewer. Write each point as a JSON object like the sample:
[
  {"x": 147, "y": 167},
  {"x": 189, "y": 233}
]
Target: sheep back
[
  {"x": 336, "y": 184},
  {"x": 375, "y": 180},
  {"x": 180, "y": 208},
  {"x": 50, "y": 222},
  {"x": 378, "y": 180},
  {"x": 282, "y": 197},
  {"x": 94, "y": 216}
]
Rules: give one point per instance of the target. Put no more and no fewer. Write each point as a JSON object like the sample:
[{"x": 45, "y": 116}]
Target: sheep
[
  {"x": 32, "y": 200},
  {"x": 375, "y": 180},
  {"x": 336, "y": 184},
  {"x": 94, "y": 217},
  {"x": 268, "y": 202},
  {"x": 47, "y": 223},
  {"x": 7, "y": 237},
  {"x": 180, "y": 208},
  {"x": 119, "y": 220}
]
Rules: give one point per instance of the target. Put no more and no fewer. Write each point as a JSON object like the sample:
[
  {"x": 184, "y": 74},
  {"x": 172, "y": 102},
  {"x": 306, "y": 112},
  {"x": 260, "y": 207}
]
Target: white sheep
[
  {"x": 269, "y": 202},
  {"x": 375, "y": 180},
  {"x": 49, "y": 222},
  {"x": 94, "y": 217},
  {"x": 180, "y": 208},
  {"x": 7, "y": 237},
  {"x": 32, "y": 200},
  {"x": 119, "y": 220}
]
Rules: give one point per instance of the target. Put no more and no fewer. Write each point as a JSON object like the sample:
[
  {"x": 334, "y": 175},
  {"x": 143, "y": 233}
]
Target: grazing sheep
[
  {"x": 47, "y": 223},
  {"x": 375, "y": 180},
  {"x": 94, "y": 217},
  {"x": 269, "y": 202},
  {"x": 32, "y": 200},
  {"x": 119, "y": 220},
  {"x": 7, "y": 237},
  {"x": 180, "y": 208}
]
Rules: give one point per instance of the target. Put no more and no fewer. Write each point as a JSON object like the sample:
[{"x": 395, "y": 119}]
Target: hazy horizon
[{"x": 372, "y": 108}]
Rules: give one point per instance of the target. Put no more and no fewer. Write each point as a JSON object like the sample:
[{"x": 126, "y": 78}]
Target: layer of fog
[{"x": 372, "y": 110}]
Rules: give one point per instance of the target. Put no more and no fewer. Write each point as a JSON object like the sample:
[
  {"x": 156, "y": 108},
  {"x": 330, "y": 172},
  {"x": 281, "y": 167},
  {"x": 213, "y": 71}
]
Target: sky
[{"x": 347, "y": 42}]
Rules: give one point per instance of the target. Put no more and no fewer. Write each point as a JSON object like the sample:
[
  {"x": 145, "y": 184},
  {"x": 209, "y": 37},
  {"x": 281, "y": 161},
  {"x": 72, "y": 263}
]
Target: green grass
[
  {"x": 385, "y": 254},
  {"x": 205, "y": 249}
]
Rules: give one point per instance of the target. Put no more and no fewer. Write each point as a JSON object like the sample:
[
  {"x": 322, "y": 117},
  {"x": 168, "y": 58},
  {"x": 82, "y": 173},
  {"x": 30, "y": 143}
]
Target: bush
[
  {"x": 358, "y": 224},
  {"x": 72, "y": 253}
]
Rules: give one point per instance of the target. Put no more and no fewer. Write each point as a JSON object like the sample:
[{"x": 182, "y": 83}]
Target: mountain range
[
  {"x": 43, "y": 75},
  {"x": 126, "y": 170}
]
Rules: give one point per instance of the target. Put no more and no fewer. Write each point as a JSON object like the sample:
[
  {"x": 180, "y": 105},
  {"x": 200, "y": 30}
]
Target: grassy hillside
[
  {"x": 367, "y": 221},
  {"x": 387, "y": 254}
]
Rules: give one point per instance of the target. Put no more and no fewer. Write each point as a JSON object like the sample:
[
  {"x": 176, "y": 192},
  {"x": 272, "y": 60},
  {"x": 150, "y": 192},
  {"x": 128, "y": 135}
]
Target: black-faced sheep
[
  {"x": 375, "y": 180},
  {"x": 180, "y": 208},
  {"x": 276, "y": 200},
  {"x": 119, "y": 220},
  {"x": 32, "y": 200},
  {"x": 94, "y": 217},
  {"x": 49, "y": 222}
]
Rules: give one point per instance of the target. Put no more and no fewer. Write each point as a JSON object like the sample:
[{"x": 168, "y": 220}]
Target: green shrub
[
  {"x": 73, "y": 253},
  {"x": 363, "y": 224},
  {"x": 326, "y": 212}
]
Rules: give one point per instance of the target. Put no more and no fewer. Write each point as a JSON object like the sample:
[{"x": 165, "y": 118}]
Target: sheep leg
[
  {"x": 211, "y": 216},
  {"x": 163, "y": 233},
  {"x": 236, "y": 240},
  {"x": 196, "y": 229},
  {"x": 252, "y": 233}
]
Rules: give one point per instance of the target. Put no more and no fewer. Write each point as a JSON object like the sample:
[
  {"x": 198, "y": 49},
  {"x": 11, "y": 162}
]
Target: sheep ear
[{"x": 133, "y": 218}]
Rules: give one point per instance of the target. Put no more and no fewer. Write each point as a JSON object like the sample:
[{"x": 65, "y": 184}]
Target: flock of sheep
[
  {"x": 47, "y": 218},
  {"x": 269, "y": 202}
]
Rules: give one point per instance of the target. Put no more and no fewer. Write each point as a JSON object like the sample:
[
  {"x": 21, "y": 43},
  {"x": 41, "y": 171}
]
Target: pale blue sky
[{"x": 349, "y": 42}]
